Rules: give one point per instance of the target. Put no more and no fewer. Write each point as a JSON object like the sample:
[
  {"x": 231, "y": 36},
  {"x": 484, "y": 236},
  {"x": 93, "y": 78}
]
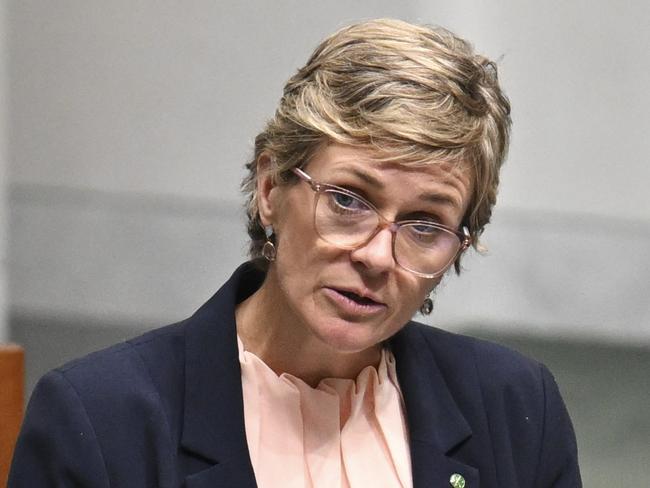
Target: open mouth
[
  {"x": 352, "y": 304},
  {"x": 358, "y": 298}
]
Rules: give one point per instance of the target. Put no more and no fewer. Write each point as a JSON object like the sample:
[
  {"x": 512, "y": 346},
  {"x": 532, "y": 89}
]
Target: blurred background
[{"x": 125, "y": 125}]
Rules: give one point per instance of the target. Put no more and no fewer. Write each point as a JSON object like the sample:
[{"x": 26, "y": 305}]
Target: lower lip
[{"x": 350, "y": 306}]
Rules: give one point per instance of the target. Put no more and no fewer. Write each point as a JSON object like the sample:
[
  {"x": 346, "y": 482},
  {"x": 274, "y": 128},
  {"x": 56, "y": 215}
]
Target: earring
[
  {"x": 268, "y": 251},
  {"x": 427, "y": 305}
]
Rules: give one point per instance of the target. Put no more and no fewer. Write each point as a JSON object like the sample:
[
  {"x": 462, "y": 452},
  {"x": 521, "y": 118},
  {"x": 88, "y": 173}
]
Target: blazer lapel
[
  {"x": 213, "y": 423},
  {"x": 234, "y": 473},
  {"x": 436, "y": 424}
]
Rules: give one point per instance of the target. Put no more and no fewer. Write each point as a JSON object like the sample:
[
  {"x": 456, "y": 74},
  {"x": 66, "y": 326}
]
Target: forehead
[{"x": 441, "y": 182}]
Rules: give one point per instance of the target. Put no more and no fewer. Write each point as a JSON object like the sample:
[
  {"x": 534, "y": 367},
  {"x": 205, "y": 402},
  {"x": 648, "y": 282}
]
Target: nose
[{"x": 376, "y": 255}]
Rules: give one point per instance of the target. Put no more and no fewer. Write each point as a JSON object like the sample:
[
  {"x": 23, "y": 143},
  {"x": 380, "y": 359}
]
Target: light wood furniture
[{"x": 12, "y": 379}]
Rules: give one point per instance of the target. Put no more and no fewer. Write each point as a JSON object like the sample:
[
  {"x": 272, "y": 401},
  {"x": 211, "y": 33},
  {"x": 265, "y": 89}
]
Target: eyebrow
[
  {"x": 436, "y": 198},
  {"x": 368, "y": 178},
  {"x": 439, "y": 198}
]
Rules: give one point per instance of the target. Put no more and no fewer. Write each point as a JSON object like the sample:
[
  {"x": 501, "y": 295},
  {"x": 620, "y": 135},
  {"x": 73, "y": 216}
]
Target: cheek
[
  {"x": 290, "y": 226},
  {"x": 299, "y": 250},
  {"x": 417, "y": 292},
  {"x": 298, "y": 243}
]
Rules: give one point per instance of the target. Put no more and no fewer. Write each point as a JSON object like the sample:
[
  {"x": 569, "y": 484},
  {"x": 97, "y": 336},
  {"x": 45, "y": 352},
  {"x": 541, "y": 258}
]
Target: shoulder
[
  {"x": 128, "y": 363},
  {"x": 94, "y": 416},
  {"x": 490, "y": 382},
  {"x": 496, "y": 366},
  {"x": 511, "y": 401},
  {"x": 138, "y": 379}
]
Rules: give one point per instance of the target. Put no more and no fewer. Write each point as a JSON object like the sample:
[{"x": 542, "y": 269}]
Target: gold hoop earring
[
  {"x": 427, "y": 305},
  {"x": 268, "y": 250}
]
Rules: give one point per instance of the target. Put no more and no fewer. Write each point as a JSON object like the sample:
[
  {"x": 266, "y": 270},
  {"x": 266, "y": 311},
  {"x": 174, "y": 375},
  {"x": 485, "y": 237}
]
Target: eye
[
  {"x": 424, "y": 231},
  {"x": 425, "y": 234},
  {"x": 345, "y": 203}
]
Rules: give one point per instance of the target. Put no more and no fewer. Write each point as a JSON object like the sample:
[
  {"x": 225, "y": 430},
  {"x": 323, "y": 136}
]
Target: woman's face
[{"x": 319, "y": 285}]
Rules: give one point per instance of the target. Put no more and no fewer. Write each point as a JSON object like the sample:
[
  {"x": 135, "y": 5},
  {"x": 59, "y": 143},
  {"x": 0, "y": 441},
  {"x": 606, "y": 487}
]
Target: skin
[{"x": 298, "y": 322}]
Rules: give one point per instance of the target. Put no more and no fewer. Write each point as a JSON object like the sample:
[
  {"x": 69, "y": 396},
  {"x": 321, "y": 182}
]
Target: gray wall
[
  {"x": 4, "y": 333},
  {"x": 128, "y": 124},
  {"x": 570, "y": 243}
]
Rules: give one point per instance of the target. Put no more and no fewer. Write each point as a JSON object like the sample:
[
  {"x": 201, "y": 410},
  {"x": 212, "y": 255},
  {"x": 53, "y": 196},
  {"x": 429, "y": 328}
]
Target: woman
[{"x": 379, "y": 169}]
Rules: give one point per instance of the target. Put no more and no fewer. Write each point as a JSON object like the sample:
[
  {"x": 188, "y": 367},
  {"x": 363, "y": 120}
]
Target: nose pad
[{"x": 377, "y": 253}]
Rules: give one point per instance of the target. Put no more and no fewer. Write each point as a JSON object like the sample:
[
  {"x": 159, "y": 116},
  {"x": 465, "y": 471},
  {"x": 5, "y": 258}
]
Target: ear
[{"x": 266, "y": 189}]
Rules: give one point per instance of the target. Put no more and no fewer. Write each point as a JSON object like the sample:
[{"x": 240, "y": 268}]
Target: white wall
[{"x": 130, "y": 123}]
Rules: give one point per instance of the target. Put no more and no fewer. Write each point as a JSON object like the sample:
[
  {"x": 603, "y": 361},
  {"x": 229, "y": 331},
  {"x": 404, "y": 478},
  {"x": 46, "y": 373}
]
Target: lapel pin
[{"x": 457, "y": 481}]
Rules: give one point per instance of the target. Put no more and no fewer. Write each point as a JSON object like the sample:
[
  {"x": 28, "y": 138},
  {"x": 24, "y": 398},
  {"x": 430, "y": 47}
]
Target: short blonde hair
[{"x": 414, "y": 94}]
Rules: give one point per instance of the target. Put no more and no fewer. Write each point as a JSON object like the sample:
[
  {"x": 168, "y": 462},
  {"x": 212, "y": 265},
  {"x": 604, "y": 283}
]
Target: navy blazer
[{"x": 166, "y": 410}]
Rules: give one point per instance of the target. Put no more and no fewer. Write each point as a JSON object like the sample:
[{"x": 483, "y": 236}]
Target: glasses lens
[
  {"x": 343, "y": 219},
  {"x": 425, "y": 248}
]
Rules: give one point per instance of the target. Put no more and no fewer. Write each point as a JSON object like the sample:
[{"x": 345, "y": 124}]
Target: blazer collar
[
  {"x": 213, "y": 423},
  {"x": 435, "y": 422}
]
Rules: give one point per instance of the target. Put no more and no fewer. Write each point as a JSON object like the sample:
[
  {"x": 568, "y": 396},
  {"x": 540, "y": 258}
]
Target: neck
[{"x": 270, "y": 330}]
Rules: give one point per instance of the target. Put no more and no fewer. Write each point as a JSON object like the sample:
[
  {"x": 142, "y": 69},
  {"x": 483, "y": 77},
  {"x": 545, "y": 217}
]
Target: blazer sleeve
[
  {"x": 558, "y": 461},
  {"x": 57, "y": 445}
]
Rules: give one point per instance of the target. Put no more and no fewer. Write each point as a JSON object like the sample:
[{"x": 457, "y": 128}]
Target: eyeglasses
[{"x": 348, "y": 221}]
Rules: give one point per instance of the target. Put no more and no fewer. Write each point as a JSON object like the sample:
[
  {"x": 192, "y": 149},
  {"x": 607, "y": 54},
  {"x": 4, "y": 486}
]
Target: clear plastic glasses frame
[{"x": 457, "y": 242}]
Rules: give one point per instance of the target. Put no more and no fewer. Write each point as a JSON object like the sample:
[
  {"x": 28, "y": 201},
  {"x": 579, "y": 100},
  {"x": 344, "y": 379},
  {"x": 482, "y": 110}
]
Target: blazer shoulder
[
  {"x": 146, "y": 370},
  {"x": 519, "y": 403},
  {"x": 94, "y": 417},
  {"x": 124, "y": 356},
  {"x": 496, "y": 365}
]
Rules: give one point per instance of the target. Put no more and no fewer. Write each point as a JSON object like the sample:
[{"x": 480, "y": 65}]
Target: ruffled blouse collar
[{"x": 342, "y": 433}]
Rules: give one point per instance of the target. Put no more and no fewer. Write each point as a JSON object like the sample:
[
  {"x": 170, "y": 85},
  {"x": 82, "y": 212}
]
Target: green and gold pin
[{"x": 457, "y": 481}]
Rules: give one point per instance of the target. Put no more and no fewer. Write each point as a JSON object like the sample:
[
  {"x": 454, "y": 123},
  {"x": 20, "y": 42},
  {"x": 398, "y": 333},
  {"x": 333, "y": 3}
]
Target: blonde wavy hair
[{"x": 414, "y": 94}]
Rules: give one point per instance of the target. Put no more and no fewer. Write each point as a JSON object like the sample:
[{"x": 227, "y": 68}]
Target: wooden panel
[{"x": 12, "y": 374}]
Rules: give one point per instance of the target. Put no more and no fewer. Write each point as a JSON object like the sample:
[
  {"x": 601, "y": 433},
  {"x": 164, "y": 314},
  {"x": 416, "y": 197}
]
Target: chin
[{"x": 348, "y": 337}]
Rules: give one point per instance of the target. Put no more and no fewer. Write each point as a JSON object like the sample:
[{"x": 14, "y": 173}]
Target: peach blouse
[{"x": 343, "y": 433}]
